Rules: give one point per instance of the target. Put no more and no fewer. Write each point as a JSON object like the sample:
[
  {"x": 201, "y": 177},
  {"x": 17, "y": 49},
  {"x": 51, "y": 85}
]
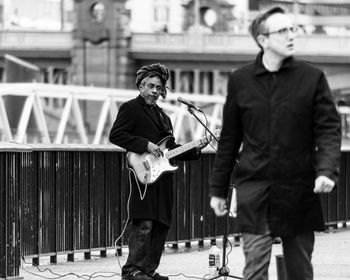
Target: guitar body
[{"x": 147, "y": 167}]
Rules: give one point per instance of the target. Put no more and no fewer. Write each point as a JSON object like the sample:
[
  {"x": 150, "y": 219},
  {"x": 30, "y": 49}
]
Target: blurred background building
[
  {"x": 101, "y": 43},
  {"x": 48, "y": 33}
]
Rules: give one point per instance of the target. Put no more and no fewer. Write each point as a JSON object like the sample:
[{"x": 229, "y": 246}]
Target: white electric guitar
[{"x": 148, "y": 167}]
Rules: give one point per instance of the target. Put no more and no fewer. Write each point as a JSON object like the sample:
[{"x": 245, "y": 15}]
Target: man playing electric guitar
[{"x": 139, "y": 126}]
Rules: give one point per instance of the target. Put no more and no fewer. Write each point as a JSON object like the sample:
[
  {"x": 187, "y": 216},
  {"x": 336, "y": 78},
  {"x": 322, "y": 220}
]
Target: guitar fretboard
[{"x": 180, "y": 150}]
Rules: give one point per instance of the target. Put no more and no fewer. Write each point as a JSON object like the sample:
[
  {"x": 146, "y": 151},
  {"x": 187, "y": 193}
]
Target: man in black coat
[
  {"x": 139, "y": 126},
  {"x": 281, "y": 124}
]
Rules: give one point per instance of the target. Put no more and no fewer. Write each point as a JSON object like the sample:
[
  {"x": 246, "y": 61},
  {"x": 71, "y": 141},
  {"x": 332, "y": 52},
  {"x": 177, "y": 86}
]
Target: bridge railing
[
  {"x": 85, "y": 114},
  {"x": 63, "y": 114},
  {"x": 67, "y": 199}
]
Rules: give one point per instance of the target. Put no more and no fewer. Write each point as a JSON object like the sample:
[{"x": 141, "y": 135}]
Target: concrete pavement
[{"x": 331, "y": 261}]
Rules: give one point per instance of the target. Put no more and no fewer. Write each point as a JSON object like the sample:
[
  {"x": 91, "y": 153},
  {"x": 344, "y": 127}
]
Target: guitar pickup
[{"x": 146, "y": 165}]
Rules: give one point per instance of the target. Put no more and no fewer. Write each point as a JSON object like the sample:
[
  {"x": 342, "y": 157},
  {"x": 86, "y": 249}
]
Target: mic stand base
[{"x": 224, "y": 271}]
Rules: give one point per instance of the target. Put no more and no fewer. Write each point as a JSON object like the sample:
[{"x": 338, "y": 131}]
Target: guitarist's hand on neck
[
  {"x": 203, "y": 142},
  {"x": 154, "y": 149}
]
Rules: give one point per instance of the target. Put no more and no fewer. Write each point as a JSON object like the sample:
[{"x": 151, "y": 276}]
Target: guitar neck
[{"x": 180, "y": 150}]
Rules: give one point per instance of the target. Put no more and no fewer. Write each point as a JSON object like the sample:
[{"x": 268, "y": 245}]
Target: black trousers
[{"x": 146, "y": 244}]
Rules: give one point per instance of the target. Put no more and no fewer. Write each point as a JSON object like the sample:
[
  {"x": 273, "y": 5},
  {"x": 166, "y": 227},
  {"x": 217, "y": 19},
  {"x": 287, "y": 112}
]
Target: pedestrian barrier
[{"x": 65, "y": 199}]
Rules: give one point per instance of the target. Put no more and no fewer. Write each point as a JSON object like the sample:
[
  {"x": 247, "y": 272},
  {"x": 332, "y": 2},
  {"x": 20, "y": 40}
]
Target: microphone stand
[
  {"x": 224, "y": 270},
  {"x": 200, "y": 121}
]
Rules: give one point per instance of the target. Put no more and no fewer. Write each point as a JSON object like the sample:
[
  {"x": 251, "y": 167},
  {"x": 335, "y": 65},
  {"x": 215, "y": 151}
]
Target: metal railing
[
  {"x": 65, "y": 199},
  {"x": 85, "y": 114},
  {"x": 62, "y": 114}
]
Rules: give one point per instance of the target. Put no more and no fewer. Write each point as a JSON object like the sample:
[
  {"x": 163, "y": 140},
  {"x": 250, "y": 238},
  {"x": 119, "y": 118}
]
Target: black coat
[
  {"x": 290, "y": 131},
  {"x": 134, "y": 126}
]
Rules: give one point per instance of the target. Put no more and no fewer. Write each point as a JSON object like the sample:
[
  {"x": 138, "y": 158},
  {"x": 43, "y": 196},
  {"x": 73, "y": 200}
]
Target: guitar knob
[{"x": 145, "y": 178}]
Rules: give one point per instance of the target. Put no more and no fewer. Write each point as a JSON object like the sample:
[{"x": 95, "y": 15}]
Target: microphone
[{"x": 189, "y": 104}]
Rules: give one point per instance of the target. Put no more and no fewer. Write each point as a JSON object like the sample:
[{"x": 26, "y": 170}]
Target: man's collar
[
  {"x": 289, "y": 62},
  {"x": 141, "y": 99}
]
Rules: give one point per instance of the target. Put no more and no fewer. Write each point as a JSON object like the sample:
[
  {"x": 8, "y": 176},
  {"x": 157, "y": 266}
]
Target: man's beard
[{"x": 149, "y": 99}]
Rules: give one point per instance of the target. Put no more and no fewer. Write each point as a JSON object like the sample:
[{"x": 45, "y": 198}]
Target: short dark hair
[{"x": 258, "y": 25}]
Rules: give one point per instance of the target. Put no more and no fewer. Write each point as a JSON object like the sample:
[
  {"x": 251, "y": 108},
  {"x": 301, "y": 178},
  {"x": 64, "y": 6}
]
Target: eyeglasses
[{"x": 283, "y": 31}]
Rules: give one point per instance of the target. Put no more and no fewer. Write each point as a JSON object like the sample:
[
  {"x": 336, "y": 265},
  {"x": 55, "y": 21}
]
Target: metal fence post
[
  {"x": 3, "y": 212},
  {"x": 9, "y": 215}
]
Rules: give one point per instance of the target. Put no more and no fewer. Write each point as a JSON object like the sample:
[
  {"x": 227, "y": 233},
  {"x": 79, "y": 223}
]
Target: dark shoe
[
  {"x": 136, "y": 275},
  {"x": 157, "y": 276}
]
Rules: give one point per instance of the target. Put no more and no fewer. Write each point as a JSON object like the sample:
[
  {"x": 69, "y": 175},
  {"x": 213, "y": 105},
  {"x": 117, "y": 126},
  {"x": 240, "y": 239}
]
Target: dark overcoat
[
  {"x": 289, "y": 130},
  {"x": 137, "y": 124}
]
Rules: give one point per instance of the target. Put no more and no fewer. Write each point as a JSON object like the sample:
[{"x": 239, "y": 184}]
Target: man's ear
[
  {"x": 262, "y": 40},
  {"x": 141, "y": 87}
]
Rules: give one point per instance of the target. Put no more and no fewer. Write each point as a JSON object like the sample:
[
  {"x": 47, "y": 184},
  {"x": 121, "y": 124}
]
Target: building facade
[{"x": 102, "y": 43}]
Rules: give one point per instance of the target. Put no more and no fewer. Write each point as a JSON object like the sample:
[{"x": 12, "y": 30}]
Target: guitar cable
[
  {"x": 142, "y": 195},
  {"x": 127, "y": 216},
  {"x": 97, "y": 274}
]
